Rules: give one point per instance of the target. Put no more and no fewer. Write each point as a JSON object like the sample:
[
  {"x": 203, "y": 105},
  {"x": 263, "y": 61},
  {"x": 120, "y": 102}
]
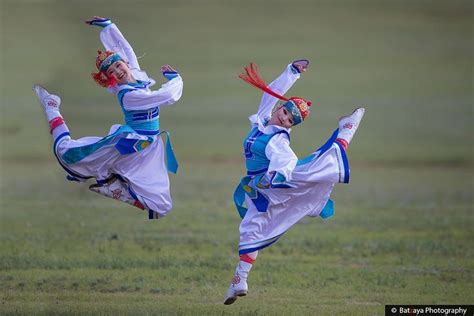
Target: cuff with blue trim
[
  {"x": 101, "y": 22},
  {"x": 170, "y": 74},
  {"x": 294, "y": 70}
]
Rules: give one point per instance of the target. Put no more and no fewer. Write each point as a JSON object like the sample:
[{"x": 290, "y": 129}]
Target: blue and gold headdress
[
  {"x": 103, "y": 62},
  {"x": 105, "y": 59}
]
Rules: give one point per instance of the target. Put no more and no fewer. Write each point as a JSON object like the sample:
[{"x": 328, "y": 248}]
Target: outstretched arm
[
  {"x": 168, "y": 94},
  {"x": 113, "y": 40}
]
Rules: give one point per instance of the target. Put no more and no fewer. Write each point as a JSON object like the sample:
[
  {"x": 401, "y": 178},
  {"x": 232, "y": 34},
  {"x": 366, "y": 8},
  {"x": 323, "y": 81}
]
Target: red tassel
[{"x": 252, "y": 77}]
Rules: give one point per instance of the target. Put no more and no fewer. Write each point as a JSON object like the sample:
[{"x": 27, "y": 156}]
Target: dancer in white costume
[
  {"x": 128, "y": 164},
  {"x": 279, "y": 190}
]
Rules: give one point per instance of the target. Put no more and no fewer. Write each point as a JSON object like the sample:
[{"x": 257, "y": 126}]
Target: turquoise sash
[
  {"x": 261, "y": 202},
  {"x": 258, "y": 199},
  {"x": 124, "y": 146},
  {"x": 171, "y": 161}
]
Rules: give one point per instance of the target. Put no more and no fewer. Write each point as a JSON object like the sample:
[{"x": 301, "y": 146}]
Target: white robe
[
  {"x": 309, "y": 182},
  {"x": 144, "y": 170}
]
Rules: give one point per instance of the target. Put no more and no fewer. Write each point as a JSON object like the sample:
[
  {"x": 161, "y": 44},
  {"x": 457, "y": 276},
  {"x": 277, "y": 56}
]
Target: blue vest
[
  {"x": 145, "y": 122},
  {"x": 254, "y": 151},
  {"x": 257, "y": 163}
]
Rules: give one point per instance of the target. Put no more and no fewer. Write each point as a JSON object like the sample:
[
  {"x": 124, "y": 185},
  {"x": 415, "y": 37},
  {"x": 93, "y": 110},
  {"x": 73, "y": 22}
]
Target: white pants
[
  {"x": 145, "y": 170},
  {"x": 312, "y": 183}
]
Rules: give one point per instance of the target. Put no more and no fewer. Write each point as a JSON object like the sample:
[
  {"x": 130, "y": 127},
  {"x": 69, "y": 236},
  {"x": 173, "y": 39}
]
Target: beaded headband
[
  {"x": 103, "y": 62},
  {"x": 105, "y": 59}
]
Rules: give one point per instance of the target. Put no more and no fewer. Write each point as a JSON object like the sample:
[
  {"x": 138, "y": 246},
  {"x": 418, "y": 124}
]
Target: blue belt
[
  {"x": 261, "y": 202},
  {"x": 128, "y": 146}
]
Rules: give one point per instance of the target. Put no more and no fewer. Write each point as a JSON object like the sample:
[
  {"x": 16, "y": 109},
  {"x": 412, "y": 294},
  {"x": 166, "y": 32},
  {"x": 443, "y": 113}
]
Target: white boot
[
  {"x": 349, "y": 124},
  {"x": 50, "y": 102},
  {"x": 117, "y": 190},
  {"x": 238, "y": 287}
]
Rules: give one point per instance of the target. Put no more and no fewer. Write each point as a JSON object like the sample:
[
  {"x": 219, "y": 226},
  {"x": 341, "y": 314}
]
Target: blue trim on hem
[
  {"x": 70, "y": 172},
  {"x": 152, "y": 214},
  {"x": 244, "y": 251},
  {"x": 345, "y": 161},
  {"x": 321, "y": 150},
  {"x": 71, "y": 178},
  {"x": 328, "y": 143},
  {"x": 102, "y": 182},
  {"x": 56, "y": 141},
  {"x": 132, "y": 193}
]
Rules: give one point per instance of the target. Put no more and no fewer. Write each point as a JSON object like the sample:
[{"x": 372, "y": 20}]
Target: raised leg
[{"x": 348, "y": 126}]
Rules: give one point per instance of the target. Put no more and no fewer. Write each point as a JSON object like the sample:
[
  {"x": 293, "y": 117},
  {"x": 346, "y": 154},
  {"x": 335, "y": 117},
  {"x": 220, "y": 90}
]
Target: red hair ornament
[{"x": 103, "y": 62}]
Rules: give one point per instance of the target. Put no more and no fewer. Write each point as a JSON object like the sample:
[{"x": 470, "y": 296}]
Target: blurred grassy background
[{"x": 403, "y": 227}]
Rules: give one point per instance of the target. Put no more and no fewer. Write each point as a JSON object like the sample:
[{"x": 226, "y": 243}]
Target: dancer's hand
[
  {"x": 300, "y": 65},
  {"x": 168, "y": 72},
  {"x": 167, "y": 68},
  {"x": 99, "y": 21}
]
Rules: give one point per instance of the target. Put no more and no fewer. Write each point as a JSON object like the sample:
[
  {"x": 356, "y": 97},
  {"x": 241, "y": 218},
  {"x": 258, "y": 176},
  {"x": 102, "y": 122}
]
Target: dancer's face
[
  {"x": 282, "y": 117},
  {"x": 120, "y": 71}
]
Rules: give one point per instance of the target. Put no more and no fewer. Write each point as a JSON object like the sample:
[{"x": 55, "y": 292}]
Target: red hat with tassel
[{"x": 297, "y": 106}]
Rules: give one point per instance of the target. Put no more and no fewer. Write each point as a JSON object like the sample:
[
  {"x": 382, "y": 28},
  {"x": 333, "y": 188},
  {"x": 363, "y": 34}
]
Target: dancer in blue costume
[
  {"x": 128, "y": 163},
  {"x": 279, "y": 190}
]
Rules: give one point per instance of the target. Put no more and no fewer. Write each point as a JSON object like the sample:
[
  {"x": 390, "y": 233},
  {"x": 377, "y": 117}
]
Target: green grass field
[{"x": 403, "y": 229}]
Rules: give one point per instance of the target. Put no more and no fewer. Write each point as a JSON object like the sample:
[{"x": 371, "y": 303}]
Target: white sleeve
[
  {"x": 282, "y": 158},
  {"x": 168, "y": 94},
  {"x": 113, "y": 40},
  {"x": 280, "y": 85}
]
